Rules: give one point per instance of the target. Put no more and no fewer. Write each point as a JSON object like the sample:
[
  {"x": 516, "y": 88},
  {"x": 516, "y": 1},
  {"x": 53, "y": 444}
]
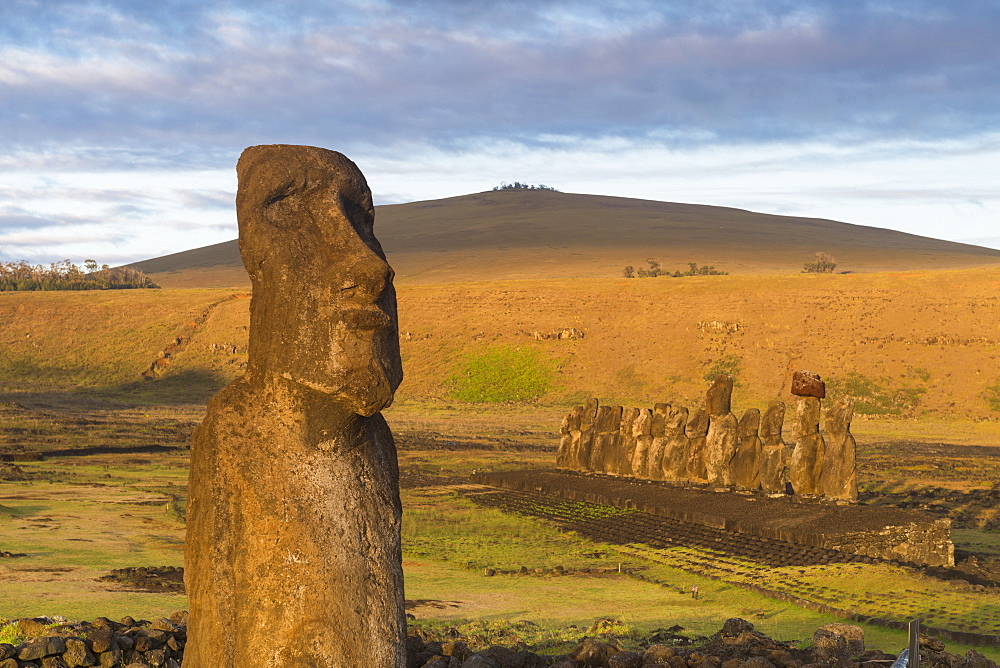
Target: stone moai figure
[
  {"x": 696, "y": 432},
  {"x": 587, "y": 419},
  {"x": 292, "y": 555},
  {"x": 720, "y": 443},
  {"x": 626, "y": 443},
  {"x": 773, "y": 463},
  {"x": 605, "y": 437},
  {"x": 654, "y": 465},
  {"x": 642, "y": 433},
  {"x": 806, "y": 466},
  {"x": 675, "y": 452},
  {"x": 569, "y": 439},
  {"x": 749, "y": 450},
  {"x": 840, "y": 468}
]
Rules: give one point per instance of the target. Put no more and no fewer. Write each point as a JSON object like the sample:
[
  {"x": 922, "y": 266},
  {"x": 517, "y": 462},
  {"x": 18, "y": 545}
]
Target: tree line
[
  {"x": 656, "y": 270},
  {"x": 67, "y": 276},
  {"x": 517, "y": 185}
]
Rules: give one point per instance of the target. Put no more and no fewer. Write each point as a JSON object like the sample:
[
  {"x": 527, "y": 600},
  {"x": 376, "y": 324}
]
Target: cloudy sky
[{"x": 121, "y": 120}]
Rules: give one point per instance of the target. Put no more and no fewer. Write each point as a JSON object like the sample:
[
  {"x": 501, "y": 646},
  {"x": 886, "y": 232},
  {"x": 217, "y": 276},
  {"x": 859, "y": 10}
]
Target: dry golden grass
[{"x": 935, "y": 334}]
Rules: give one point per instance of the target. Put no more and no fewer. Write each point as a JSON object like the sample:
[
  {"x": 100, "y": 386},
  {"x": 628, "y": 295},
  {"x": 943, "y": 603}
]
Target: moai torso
[
  {"x": 746, "y": 462},
  {"x": 720, "y": 442},
  {"x": 840, "y": 468},
  {"x": 773, "y": 465}
]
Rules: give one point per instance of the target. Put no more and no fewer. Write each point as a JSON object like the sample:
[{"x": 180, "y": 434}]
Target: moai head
[
  {"x": 719, "y": 397},
  {"x": 749, "y": 423},
  {"x": 323, "y": 313},
  {"x": 839, "y": 416},
  {"x": 771, "y": 423}
]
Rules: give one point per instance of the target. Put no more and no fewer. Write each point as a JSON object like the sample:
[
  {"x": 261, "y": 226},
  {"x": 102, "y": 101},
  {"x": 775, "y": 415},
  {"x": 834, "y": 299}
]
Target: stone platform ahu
[
  {"x": 710, "y": 446},
  {"x": 293, "y": 554}
]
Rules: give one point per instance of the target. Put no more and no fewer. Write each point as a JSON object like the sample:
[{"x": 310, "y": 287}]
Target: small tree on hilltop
[
  {"x": 824, "y": 264},
  {"x": 628, "y": 271}
]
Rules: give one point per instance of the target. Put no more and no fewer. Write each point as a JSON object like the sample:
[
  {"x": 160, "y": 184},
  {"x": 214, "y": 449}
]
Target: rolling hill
[{"x": 540, "y": 234}]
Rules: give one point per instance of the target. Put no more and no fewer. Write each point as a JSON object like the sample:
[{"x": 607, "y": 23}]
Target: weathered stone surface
[
  {"x": 625, "y": 659},
  {"x": 696, "y": 432},
  {"x": 292, "y": 554},
  {"x": 675, "y": 450},
  {"x": 110, "y": 659},
  {"x": 593, "y": 653},
  {"x": 773, "y": 462},
  {"x": 654, "y": 469},
  {"x": 570, "y": 424},
  {"x": 8, "y": 663},
  {"x": 36, "y": 648},
  {"x": 7, "y": 650},
  {"x": 853, "y": 635},
  {"x": 806, "y": 466},
  {"x": 840, "y": 468},
  {"x": 605, "y": 437},
  {"x": 657, "y": 655},
  {"x": 53, "y": 662},
  {"x": 641, "y": 431},
  {"x": 808, "y": 384},
  {"x": 587, "y": 433},
  {"x": 747, "y": 460},
  {"x": 626, "y": 443},
  {"x": 77, "y": 653},
  {"x": 719, "y": 396}
]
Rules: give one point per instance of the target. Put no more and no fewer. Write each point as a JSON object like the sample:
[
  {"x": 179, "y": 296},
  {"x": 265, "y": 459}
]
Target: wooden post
[{"x": 914, "y": 647}]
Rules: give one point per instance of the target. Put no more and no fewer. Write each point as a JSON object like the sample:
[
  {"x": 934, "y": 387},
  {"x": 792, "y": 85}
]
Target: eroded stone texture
[
  {"x": 292, "y": 551},
  {"x": 569, "y": 438},
  {"x": 840, "y": 469},
  {"x": 696, "y": 432},
  {"x": 587, "y": 433},
  {"x": 675, "y": 451},
  {"x": 626, "y": 442},
  {"x": 806, "y": 466},
  {"x": 808, "y": 384},
  {"x": 747, "y": 460},
  {"x": 720, "y": 442},
  {"x": 654, "y": 468},
  {"x": 773, "y": 461},
  {"x": 641, "y": 431},
  {"x": 605, "y": 437}
]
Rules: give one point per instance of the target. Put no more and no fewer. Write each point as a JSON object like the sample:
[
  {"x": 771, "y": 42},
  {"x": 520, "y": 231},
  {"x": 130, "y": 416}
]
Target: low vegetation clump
[
  {"x": 67, "y": 276},
  {"x": 517, "y": 185},
  {"x": 992, "y": 396},
  {"x": 824, "y": 264},
  {"x": 656, "y": 270},
  {"x": 728, "y": 365},
  {"x": 502, "y": 374},
  {"x": 877, "y": 396}
]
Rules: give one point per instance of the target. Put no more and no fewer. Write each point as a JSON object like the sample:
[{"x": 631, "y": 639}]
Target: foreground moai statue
[
  {"x": 773, "y": 460},
  {"x": 642, "y": 433},
  {"x": 840, "y": 472},
  {"x": 721, "y": 441},
  {"x": 806, "y": 466},
  {"x": 293, "y": 556}
]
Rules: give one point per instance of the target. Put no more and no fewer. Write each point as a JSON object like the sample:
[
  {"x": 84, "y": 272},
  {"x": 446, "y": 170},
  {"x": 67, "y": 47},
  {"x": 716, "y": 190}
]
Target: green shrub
[
  {"x": 502, "y": 374},
  {"x": 12, "y": 634},
  {"x": 875, "y": 396},
  {"x": 992, "y": 396},
  {"x": 728, "y": 365}
]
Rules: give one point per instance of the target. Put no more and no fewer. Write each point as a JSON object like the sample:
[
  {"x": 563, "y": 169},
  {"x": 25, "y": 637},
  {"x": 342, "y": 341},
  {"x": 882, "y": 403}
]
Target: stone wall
[{"x": 710, "y": 446}]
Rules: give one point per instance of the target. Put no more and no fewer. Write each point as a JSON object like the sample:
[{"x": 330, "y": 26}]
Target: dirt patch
[{"x": 154, "y": 579}]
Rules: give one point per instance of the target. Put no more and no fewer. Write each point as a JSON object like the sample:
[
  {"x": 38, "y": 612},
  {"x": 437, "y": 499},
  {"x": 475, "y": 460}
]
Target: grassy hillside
[
  {"x": 914, "y": 344},
  {"x": 513, "y": 235}
]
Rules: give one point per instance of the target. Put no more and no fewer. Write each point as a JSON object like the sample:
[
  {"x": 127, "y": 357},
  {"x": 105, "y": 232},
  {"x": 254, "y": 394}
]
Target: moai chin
[{"x": 292, "y": 555}]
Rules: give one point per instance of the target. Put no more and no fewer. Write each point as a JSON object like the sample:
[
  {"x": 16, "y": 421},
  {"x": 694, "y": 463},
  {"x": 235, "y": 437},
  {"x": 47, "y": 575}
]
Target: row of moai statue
[{"x": 711, "y": 446}]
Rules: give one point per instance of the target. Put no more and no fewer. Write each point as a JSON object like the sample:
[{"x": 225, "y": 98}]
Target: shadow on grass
[{"x": 176, "y": 389}]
